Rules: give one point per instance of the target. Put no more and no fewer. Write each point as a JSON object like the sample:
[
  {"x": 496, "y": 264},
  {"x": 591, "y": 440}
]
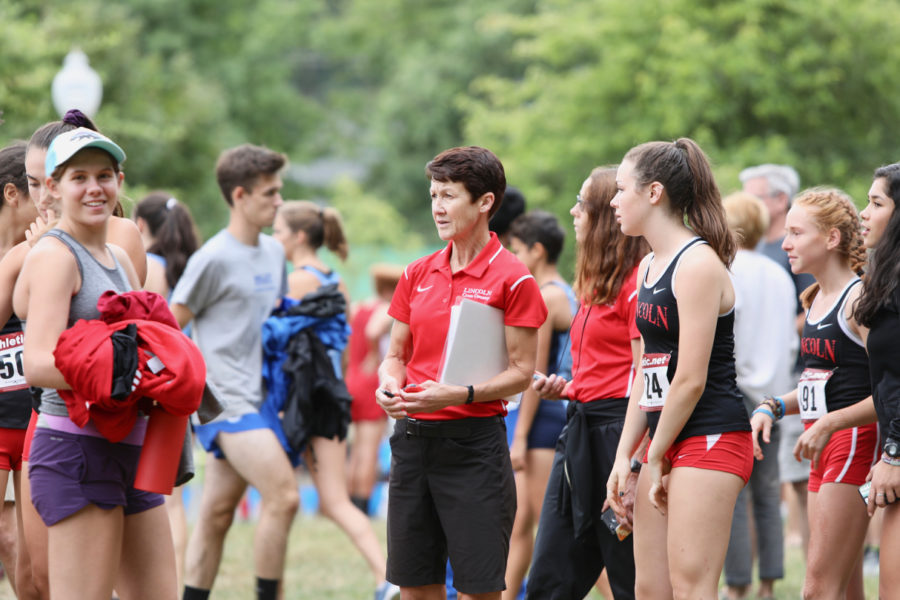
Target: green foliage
[
  {"x": 756, "y": 81},
  {"x": 555, "y": 87}
]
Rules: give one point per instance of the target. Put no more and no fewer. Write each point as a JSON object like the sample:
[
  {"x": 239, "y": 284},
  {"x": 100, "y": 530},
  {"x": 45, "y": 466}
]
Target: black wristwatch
[
  {"x": 636, "y": 465},
  {"x": 892, "y": 448}
]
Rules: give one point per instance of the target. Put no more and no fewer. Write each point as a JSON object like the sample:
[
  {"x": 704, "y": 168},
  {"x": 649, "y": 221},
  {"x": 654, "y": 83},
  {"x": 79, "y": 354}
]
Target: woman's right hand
[
  {"x": 549, "y": 388},
  {"x": 388, "y": 397},
  {"x": 760, "y": 422},
  {"x": 885, "y": 488},
  {"x": 616, "y": 487},
  {"x": 39, "y": 227}
]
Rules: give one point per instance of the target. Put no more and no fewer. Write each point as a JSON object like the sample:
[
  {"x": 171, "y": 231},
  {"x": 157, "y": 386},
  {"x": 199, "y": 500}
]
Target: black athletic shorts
[{"x": 452, "y": 493}]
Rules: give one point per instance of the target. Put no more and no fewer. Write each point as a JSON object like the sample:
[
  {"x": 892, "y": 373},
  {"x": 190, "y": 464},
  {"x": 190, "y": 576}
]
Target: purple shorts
[{"x": 68, "y": 472}]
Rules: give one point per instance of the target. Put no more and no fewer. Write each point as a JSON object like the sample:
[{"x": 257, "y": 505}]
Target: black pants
[{"x": 563, "y": 567}]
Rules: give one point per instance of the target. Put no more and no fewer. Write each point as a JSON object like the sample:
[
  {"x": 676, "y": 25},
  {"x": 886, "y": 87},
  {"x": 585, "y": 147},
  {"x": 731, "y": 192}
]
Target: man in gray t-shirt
[{"x": 228, "y": 289}]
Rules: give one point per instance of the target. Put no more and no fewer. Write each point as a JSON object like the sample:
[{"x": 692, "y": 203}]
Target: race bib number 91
[
  {"x": 656, "y": 381},
  {"x": 811, "y": 394},
  {"x": 12, "y": 374}
]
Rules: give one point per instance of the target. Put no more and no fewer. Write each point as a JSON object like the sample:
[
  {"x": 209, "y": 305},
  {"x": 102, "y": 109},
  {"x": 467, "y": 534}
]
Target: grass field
[{"x": 324, "y": 565}]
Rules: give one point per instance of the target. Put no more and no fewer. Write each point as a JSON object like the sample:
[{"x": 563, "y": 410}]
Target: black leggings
[{"x": 563, "y": 567}]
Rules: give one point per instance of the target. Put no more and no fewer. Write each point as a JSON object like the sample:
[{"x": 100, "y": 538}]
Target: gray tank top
[{"x": 95, "y": 279}]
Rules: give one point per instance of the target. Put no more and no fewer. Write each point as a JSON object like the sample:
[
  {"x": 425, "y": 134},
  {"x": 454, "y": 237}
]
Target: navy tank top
[
  {"x": 835, "y": 363},
  {"x": 720, "y": 408},
  {"x": 560, "y": 356}
]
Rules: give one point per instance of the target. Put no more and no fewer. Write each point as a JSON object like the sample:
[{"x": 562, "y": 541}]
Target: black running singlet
[
  {"x": 15, "y": 397},
  {"x": 835, "y": 363},
  {"x": 884, "y": 365},
  {"x": 720, "y": 408}
]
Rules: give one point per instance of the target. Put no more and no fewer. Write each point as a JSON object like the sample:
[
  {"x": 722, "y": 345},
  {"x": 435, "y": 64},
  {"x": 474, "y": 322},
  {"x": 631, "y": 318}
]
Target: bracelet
[
  {"x": 764, "y": 410},
  {"x": 783, "y": 406},
  {"x": 471, "y": 397},
  {"x": 775, "y": 404},
  {"x": 894, "y": 462},
  {"x": 636, "y": 465}
]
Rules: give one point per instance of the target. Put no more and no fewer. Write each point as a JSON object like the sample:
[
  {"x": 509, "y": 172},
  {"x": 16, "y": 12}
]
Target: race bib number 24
[{"x": 656, "y": 381}]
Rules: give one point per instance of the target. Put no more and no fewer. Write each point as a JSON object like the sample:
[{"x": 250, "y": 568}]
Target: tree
[{"x": 799, "y": 82}]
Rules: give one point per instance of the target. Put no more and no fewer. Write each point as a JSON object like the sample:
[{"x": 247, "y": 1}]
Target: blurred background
[{"x": 360, "y": 94}]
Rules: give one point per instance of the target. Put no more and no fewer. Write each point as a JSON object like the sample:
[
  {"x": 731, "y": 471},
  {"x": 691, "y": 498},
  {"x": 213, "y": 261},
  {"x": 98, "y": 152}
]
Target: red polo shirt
[
  {"x": 428, "y": 290},
  {"x": 601, "y": 346}
]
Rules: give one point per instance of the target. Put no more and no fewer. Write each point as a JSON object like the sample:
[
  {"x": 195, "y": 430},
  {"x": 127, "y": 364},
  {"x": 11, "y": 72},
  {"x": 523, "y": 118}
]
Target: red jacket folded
[
  {"x": 141, "y": 304},
  {"x": 172, "y": 369}
]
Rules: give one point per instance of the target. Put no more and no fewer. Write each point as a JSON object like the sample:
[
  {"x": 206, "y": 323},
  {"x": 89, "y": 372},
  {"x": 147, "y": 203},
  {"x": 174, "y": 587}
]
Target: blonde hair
[
  {"x": 321, "y": 224},
  {"x": 747, "y": 218},
  {"x": 831, "y": 208}
]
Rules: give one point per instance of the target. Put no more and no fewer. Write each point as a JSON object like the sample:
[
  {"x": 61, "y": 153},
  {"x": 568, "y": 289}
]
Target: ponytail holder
[
  {"x": 75, "y": 117},
  {"x": 170, "y": 203}
]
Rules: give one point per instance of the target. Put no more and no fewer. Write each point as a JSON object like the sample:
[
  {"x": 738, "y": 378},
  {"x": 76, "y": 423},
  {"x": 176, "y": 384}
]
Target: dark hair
[
  {"x": 73, "y": 119},
  {"x": 173, "y": 229},
  {"x": 242, "y": 166},
  {"x": 605, "y": 257},
  {"x": 539, "y": 226},
  {"x": 830, "y": 208},
  {"x": 477, "y": 168},
  {"x": 686, "y": 176},
  {"x": 883, "y": 273},
  {"x": 12, "y": 168},
  {"x": 321, "y": 224},
  {"x": 513, "y": 205}
]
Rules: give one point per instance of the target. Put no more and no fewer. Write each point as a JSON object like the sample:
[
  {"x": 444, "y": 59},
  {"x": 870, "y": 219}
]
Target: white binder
[{"x": 475, "y": 350}]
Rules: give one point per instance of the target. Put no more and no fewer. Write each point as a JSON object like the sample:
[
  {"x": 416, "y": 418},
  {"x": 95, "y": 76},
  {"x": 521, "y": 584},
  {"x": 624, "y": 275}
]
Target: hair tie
[
  {"x": 75, "y": 117},
  {"x": 170, "y": 203}
]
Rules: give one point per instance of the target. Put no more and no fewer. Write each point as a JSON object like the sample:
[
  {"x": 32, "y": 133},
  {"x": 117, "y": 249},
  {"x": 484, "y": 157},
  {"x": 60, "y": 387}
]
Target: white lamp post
[{"x": 77, "y": 85}]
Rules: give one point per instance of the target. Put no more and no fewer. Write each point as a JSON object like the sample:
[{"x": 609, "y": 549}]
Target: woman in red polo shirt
[
  {"x": 452, "y": 491},
  {"x": 573, "y": 545}
]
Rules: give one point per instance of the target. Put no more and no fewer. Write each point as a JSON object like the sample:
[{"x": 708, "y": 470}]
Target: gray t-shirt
[{"x": 231, "y": 288}]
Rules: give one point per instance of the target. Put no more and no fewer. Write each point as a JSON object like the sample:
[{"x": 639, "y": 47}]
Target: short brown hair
[
  {"x": 242, "y": 166},
  {"x": 477, "y": 168}
]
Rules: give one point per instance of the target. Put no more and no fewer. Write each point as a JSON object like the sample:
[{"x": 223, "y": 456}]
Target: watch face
[{"x": 892, "y": 449}]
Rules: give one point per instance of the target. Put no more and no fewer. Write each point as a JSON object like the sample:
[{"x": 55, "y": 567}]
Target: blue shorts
[
  {"x": 545, "y": 429},
  {"x": 208, "y": 434},
  {"x": 68, "y": 472}
]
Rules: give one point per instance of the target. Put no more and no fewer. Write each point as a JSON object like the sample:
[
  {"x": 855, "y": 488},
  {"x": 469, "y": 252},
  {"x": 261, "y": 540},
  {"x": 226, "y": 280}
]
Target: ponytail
[
  {"x": 335, "y": 240},
  {"x": 686, "y": 176},
  {"x": 831, "y": 208},
  {"x": 322, "y": 225},
  {"x": 73, "y": 119},
  {"x": 173, "y": 230}
]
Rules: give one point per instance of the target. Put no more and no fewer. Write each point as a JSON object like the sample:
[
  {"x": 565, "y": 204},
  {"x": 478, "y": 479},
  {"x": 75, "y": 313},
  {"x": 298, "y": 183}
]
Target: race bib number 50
[
  {"x": 811, "y": 394},
  {"x": 12, "y": 374},
  {"x": 656, "y": 381}
]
